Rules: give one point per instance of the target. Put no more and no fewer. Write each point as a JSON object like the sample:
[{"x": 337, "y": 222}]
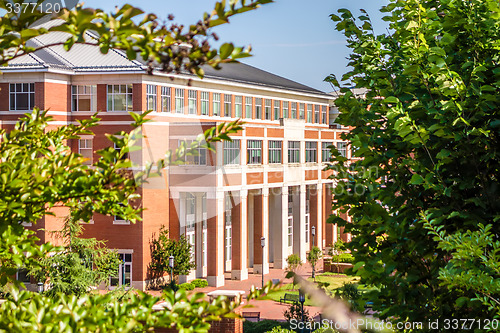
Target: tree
[
  {"x": 163, "y": 247},
  {"x": 82, "y": 264},
  {"x": 423, "y": 189},
  {"x": 313, "y": 257}
]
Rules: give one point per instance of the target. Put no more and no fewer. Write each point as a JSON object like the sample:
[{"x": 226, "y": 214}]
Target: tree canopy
[{"x": 423, "y": 189}]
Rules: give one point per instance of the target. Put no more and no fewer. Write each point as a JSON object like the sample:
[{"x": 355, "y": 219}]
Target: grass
[{"x": 334, "y": 281}]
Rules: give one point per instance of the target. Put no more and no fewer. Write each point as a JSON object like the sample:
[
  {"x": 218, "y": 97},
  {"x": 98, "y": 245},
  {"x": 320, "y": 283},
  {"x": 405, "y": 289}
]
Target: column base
[
  {"x": 215, "y": 281},
  {"x": 239, "y": 274},
  {"x": 257, "y": 268}
]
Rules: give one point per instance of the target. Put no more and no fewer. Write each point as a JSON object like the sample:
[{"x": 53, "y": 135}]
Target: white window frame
[
  {"x": 342, "y": 148},
  {"x": 325, "y": 151},
  {"x": 248, "y": 107},
  {"x": 166, "y": 99},
  {"x": 232, "y": 152},
  {"x": 258, "y": 108},
  {"x": 179, "y": 100},
  {"x": 200, "y": 159},
  {"x": 293, "y": 151},
  {"x": 216, "y": 104},
  {"x": 238, "y": 106},
  {"x": 311, "y": 152},
  {"x": 89, "y": 91},
  {"x": 192, "y": 102},
  {"x": 85, "y": 146},
  {"x": 301, "y": 111},
  {"x": 228, "y": 225},
  {"x": 205, "y": 103},
  {"x": 316, "y": 114},
  {"x": 285, "y": 109},
  {"x": 267, "y": 109},
  {"x": 323, "y": 114},
  {"x": 254, "y": 151},
  {"x": 16, "y": 89},
  {"x": 276, "y": 105},
  {"x": 190, "y": 222},
  {"x": 151, "y": 97},
  {"x": 228, "y": 105},
  {"x": 293, "y": 110},
  {"x": 275, "y": 152},
  {"x": 125, "y": 90},
  {"x": 309, "y": 113},
  {"x": 121, "y": 267}
]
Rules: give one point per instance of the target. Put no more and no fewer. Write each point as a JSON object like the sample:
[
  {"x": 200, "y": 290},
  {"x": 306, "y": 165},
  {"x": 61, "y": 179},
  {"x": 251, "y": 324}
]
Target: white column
[
  {"x": 265, "y": 226},
  {"x": 319, "y": 215},
  {"x": 303, "y": 248},
  {"x": 284, "y": 250},
  {"x": 242, "y": 274},
  {"x": 217, "y": 280}
]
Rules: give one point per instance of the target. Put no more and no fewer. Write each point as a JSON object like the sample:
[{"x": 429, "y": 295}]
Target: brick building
[{"x": 269, "y": 182}]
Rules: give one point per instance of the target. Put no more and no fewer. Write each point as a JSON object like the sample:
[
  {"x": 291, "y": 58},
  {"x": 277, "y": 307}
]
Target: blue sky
[{"x": 292, "y": 38}]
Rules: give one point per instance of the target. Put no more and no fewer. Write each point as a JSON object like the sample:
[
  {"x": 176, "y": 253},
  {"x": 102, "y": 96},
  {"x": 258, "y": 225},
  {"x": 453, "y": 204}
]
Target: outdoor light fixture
[
  {"x": 171, "y": 265},
  {"x": 40, "y": 287},
  {"x": 263, "y": 244},
  {"x": 302, "y": 300}
]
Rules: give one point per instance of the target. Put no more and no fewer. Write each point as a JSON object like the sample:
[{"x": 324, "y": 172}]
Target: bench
[
  {"x": 251, "y": 315},
  {"x": 290, "y": 298}
]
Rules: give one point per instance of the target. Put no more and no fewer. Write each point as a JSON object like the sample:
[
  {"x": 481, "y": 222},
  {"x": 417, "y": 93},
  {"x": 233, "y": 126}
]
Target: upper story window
[
  {"x": 179, "y": 100},
  {"x": 342, "y": 148},
  {"x": 232, "y": 152},
  {"x": 204, "y": 102},
  {"x": 22, "y": 96},
  {"x": 293, "y": 151},
  {"x": 267, "y": 109},
  {"x": 192, "y": 101},
  {"x": 85, "y": 149},
  {"x": 227, "y": 105},
  {"x": 285, "y": 110},
  {"x": 325, "y": 151},
  {"x": 166, "y": 99},
  {"x": 151, "y": 97},
  {"x": 301, "y": 111},
  {"x": 323, "y": 114},
  {"x": 276, "y": 110},
  {"x": 248, "y": 107},
  {"x": 216, "y": 103},
  {"x": 238, "y": 107},
  {"x": 311, "y": 152},
  {"x": 293, "y": 110},
  {"x": 316, "y": 114},
  {"x": 309, "y": 113},
  {"x": 84, "y": 98},
  {"x": 275, "y": 152},
  {"x": 119, "y": 97},
  {"x": 119, "y": 149},
  {"x": 254, "y": 152},
  {"x": 198, "y": 158},
  {"x": 258, "y": 108}
]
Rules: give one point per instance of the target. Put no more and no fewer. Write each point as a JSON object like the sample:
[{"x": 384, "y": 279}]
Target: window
[
  {"x": 166, "y": 100},
  {"x": 238, "y": 107},
  {"x": 325, "y": 151},
  {"x": 254, "y": 152},
  {"x": 190, "y": 222},
  {"x": 216, "y": 103},
  {"x": 22, "y": 275},
  {"x": 179, "y": 100},
  {"x": 301, "y": 111},
  {"x": 232, "y": 152},
  {"x": 276, "y": 110},
  {"x": 85, "y": 149},
  {"x": 267, "y": 109},
  {"x": 293, "y": 151},
  {"x": 227, "y": 105},
  {"x": 227, "y": 226},
  {"x": 151, "y": 97},
  {"x": 119, "y": 97},
  {"x": 307, "y": 215},
  {"x": 118, "y": 149},
  {"x": 290, "y": 219},
  {"x": 311, "y": 152},
  {"x": 199, "y": 159},
  {"x": 258, "y": 108},
  {"x": 275, "y": 151},
  {"x": 204, "y": 103},
  {"x": 293, "y": 110},
  {"x": 323, "y": 114},
  {"x": 124, "y": 274},
  {"x": 22, "y": 96},
  {"x": 316, "y": 114},
  {"x": 192, "y": 101},
  {"x": 248, "y": 107},
  {"x": 204, "y": 243},
  {"x": 342, "y": 148},
  {"x": 117, "y": 219},
  {"x": 285, "y": 110},
  {"x": 84, "y": 98},
  {"x": 309, "y": 113}
]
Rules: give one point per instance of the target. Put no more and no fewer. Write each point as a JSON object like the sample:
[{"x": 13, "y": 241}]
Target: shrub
[
  {"x": 186, "y": 286},
  {"x": 293, "y": 261},
  {"x": 265, "y": 325},
  {"x": 199, "y": 283},
  {"x": 279, "y": 329},
  {"x": 343, "y": 257}
]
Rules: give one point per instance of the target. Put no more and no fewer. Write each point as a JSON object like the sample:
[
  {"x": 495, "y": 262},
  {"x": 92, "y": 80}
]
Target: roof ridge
[{"x": 53, "y": 52}]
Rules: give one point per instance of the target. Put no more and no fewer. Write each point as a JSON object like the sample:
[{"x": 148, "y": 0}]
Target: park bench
[
  {"x": 290, "y": 298},
  {"x": 251, "y": 315}
]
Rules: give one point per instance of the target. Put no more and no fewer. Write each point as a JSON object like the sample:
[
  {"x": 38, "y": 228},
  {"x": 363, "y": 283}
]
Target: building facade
[{"x": 268, "y": 182}]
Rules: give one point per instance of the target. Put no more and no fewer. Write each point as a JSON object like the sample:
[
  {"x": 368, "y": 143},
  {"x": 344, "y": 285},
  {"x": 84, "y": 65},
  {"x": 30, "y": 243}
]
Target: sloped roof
[{"x": 85, "y": 58}]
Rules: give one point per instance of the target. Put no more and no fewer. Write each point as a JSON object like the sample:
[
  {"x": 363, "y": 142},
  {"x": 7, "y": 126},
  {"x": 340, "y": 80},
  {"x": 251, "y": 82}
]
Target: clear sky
[{"x": 292, "y": 38}]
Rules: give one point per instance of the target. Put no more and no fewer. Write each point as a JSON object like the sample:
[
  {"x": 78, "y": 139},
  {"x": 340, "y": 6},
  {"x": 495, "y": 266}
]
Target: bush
[
  {"x": 187, "y": 286},
  {"x": 279, "y": 329},
  {"x": 293, "y": 261},
  {"x": 199, "y": 283},
  {"x": 262, "y": 326},
  {"x": 343, "y": 257}
]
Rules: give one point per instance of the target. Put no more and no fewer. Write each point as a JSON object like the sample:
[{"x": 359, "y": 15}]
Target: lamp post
[
  {"x": 313, "y": 233},
  {"x": 40, "y": 287},
  {"x": 171, "y": 265},
  {"x": 302, "y": 299},
  {"x": 263, "y": 244}
]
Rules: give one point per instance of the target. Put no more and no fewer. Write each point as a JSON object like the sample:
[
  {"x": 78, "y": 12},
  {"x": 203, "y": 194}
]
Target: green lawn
[{"x": 334, "y": 280}]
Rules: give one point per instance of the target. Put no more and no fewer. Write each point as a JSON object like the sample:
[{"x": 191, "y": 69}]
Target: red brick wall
[
  {"x": 57, "y": 96},
  {"x": 102, "y": 97},
  {"x": 4, "y": 97}
]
